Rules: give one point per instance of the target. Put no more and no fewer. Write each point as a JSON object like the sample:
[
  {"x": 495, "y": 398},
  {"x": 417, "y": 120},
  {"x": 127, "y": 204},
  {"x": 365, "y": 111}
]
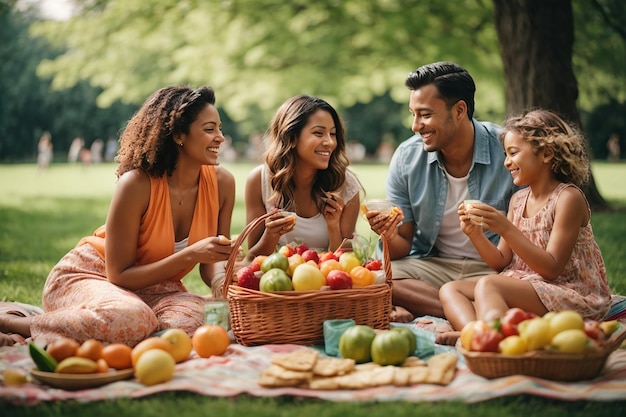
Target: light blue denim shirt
[{"x": 417, "y": 184}]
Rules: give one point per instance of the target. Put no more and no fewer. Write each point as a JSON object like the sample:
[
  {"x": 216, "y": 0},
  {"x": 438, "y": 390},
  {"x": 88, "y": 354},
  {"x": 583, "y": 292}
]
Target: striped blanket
[{"x": 237, "y": 370}]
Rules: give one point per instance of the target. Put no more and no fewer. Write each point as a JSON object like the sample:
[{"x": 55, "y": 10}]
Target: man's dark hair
[{"x": 453, "y": 82}]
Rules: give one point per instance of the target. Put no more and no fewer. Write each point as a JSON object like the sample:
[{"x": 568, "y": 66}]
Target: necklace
[{"x": 184, "y": 195}]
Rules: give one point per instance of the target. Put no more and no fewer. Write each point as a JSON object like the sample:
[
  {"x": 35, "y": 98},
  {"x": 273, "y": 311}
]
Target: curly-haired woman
[{"x": 169, "y": 208}]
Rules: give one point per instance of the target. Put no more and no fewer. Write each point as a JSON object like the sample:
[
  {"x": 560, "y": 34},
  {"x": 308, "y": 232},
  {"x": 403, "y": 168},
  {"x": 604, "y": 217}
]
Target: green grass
[{"x": 43, "y": 215}]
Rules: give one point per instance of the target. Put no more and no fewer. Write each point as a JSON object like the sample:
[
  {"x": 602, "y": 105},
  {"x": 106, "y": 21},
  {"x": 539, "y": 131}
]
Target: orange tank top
[{"x": 156, "y": 230}]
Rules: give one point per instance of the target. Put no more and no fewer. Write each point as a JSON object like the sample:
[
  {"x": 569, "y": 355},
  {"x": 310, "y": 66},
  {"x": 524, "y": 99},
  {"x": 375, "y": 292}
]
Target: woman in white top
[{"x": 305, "y": 172}]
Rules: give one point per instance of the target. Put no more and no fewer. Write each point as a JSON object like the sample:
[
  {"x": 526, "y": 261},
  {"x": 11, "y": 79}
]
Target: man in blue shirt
[{"x": 452, "y": 157}]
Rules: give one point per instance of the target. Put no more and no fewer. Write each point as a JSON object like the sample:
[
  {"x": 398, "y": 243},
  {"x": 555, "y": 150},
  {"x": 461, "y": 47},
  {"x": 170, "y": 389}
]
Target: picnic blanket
[{"x": 235, "y": 373}]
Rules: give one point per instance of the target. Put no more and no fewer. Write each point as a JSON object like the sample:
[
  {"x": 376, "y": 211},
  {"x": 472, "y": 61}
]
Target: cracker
[
  {"x": 299, "y": 360},
  {"x": 412, "y": 361},
  {"x": 324, "y": 383},
  {"x": 270, "y": 381},
  {"x": 441, "y": 368},
  {"x": 287, "y": 374},
  {"x": 417, "y": 374},
  {"x": 401, "y": 377},
  {"x": 333, "y": 366}
]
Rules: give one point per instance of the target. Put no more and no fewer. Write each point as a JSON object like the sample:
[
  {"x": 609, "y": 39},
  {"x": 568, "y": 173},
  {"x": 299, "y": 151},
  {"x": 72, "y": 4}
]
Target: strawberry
[
  {"x": 247, "y": 278},
  {"x": 374, "y": 265}
]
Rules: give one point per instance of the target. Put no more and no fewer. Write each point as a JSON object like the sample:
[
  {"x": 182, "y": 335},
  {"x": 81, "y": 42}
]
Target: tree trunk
[{"x": 537, "y": 38}]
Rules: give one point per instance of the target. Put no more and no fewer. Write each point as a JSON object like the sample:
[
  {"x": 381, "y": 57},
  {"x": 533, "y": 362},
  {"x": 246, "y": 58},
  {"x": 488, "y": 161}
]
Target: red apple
[
  {"x": 338, "y": 279},
  {"x": 301, "y": 248},
  {"x": 311, "y": 255},
  {"x": 328, "y": 255},
  {"x": 287, "y": 250},
  {"x": 512, "y": 318}
]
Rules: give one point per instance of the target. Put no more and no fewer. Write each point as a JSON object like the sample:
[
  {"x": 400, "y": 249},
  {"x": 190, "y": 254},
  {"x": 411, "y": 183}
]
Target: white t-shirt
[
  {"x": 452, "y": 242},
  {"x": 311, "y": 231}
]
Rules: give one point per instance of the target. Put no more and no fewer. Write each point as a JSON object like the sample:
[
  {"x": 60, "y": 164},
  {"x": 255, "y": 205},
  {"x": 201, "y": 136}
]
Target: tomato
[
  {"x": 485, "y": 338},
  {"x": 325, "y": 256},
  {"x": 311, "y": 255},
  {"x": 275, "y": 279},
  {"x": 390, "y": 348},
  {"x": 275, "y": 260},
  {"x": 512, "y": 318},
  {"x": 374, "y": 264},
  {"x": 361, "y": 276},
  {"x": 356, "y": 343},
  {"x": 338, "y": 279}
]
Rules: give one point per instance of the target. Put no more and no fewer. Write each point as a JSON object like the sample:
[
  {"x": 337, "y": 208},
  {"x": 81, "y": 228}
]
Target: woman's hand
[
  {"x": 333, "y": 208},
  {"x": 213, "y": 249},
  {"x": 280, "y": 223}
]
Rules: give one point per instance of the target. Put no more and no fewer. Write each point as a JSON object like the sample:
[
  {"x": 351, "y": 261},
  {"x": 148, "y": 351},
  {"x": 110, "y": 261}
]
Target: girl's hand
[
  {"x": 333, "y": 208},
  {"x": 483, "y": 217}
]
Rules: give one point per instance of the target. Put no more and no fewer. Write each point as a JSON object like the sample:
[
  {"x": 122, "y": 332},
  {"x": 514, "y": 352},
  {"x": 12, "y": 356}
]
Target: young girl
[
  {"x": 547, "y": 255},
  {"x": 305, "y": 172}
]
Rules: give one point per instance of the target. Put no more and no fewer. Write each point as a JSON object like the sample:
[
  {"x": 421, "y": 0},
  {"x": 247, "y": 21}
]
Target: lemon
[
  {"x": 565, "y": 320},
  {"x": 535, "y": 333},
  {"x": 14, "y": 377},
  {"x": 307, "y": 277},
  {"x": 154, "y": 366},
  {"x": 349, "y": 260},
  {"x": 570, "y": 341}
]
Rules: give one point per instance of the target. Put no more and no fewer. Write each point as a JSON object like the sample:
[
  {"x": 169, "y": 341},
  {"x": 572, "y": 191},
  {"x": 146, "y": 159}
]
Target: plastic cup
[
  {"x": 217, "y": 312},
  {"x": 384, "y": 206}
]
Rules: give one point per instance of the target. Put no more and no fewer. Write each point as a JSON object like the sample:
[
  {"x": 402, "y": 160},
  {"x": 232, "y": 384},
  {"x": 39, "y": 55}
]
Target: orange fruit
[
  {"x": 103, "y": 366},
  {"x": 209, "y": 340},
  {"x": 118, "y": 355},
  {"x": 154, "y": 342},
  {"x": 62, "y": 348},
  {"x": 90, "y": 349},
  {"x": 329, "y": 265},
  {"x": 362, "y": 277}
]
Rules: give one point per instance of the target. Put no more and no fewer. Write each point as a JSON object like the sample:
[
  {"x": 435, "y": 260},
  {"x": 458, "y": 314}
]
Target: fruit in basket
[
  {"x": 485, "y": 337},
  {"x": 535, "y": 332},
  {"x": 390, "y": 348},
  {"x": 247, "y": 278},
  {"x": 512, "y": 345},
  {"x": 294, "y": 260},
  {"x": 362, "y": 277},
  {"x": 374, "y": 265},
  {"x": 513, "y": 317},
  {"x": 311, "y": 255},
  {"x": 307, "y": 277},
  {"x": 565, "y": 320},
  {"x": 338, "y": 279},
  {"x": 328, "y": 255},
  {"x": 330, "y": 265},
  {"x": 301, "y": 248},
  {"x": 349, "y": 260},
  {"x": 287, "y": 250},
  {"x": 275, "y": 260},
  {"x": 275, "y": 279},
  {"x": 569, "y": 341},
  {"x": 609, "y": 327},
  {"x": 356, "y": 343}
]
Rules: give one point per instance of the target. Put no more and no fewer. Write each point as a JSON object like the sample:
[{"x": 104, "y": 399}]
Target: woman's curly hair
[
  {"x": 280, "y": 156},
  {"x": 545, "y": 129},
  {"x": 147, "y": 142}
]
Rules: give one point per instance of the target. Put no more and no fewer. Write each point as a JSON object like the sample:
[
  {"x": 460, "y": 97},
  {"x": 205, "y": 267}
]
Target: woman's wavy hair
[
  {"x": 147, "y": 142},
  {"x": 280, "y": 156},
  {"x": 545, "y": 129}
]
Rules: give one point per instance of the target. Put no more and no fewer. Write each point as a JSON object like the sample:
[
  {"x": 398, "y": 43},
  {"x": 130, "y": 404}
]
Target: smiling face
[
  {"x": 524, "y": 163},
  {"x": 432, "y": 119},
  {"x": 317, "y": 140},
  {"x": 205, "y": 136}
]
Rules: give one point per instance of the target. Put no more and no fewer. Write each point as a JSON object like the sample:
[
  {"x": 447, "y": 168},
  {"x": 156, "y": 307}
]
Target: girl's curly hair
[
  {"x": 545, "y": 129},
  {"x": 280, "y": 156},
  {"x": 147, "y": 142}
]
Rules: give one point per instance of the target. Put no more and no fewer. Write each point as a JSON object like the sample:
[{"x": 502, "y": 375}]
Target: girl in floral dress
[{"x": 547, "y": 256}]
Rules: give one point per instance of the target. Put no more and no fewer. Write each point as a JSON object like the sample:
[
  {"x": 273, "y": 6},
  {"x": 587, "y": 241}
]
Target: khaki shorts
[{"x": 437, "y": 271}]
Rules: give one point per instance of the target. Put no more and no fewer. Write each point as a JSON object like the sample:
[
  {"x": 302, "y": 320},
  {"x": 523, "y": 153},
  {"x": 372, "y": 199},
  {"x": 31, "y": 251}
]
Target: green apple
[
  {"x": 275, "y": 260},
  {"x": 275, "y": 279}
]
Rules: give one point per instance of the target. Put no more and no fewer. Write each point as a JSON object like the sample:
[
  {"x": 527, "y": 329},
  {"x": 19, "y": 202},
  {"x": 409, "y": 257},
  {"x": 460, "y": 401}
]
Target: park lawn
[{"x": 43, "y": 215}]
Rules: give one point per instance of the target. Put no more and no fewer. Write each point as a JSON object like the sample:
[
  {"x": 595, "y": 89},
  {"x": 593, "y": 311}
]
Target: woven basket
[
  {"x": 298, "y": 316},
  {"x": 542, "y": 364}
]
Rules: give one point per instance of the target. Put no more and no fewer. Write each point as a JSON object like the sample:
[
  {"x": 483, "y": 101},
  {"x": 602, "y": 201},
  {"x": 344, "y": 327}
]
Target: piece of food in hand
[
  {"x": 223, "y": 240},
  {"x": 395, "y": 211}
]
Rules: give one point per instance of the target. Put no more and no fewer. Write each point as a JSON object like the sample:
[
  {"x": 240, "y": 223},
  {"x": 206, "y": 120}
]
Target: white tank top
[
  {"x": 311, "y": 231},
  {"x": 452, "y": 242}
]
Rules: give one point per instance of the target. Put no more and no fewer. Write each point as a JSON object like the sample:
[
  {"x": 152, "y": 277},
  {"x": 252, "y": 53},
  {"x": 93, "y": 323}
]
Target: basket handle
[{"x": 232, "y": 258}]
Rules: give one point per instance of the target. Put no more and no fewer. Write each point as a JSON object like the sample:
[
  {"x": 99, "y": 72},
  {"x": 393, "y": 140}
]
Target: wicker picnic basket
[
  {"x": 298, "y": 316},
  {"x": 542, "y": 364}
]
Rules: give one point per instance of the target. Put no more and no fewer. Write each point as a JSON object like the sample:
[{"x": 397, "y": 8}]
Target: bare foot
[
  {"x": 447, "y": 338},
  {"x": 401, "y": 315},
  {"x": 14, "y": 323}
]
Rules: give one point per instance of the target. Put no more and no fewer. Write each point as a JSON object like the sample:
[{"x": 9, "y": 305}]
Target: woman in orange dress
[{"x": 171, "y": 210}]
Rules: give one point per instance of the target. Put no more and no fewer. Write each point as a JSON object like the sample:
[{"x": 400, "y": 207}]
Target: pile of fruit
[
  {"x": 388, "y": 347},
  {"x": 518, "y": 332},
  {"x": 299, "y": 268},
  {"x": 153, "y": 360}
]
